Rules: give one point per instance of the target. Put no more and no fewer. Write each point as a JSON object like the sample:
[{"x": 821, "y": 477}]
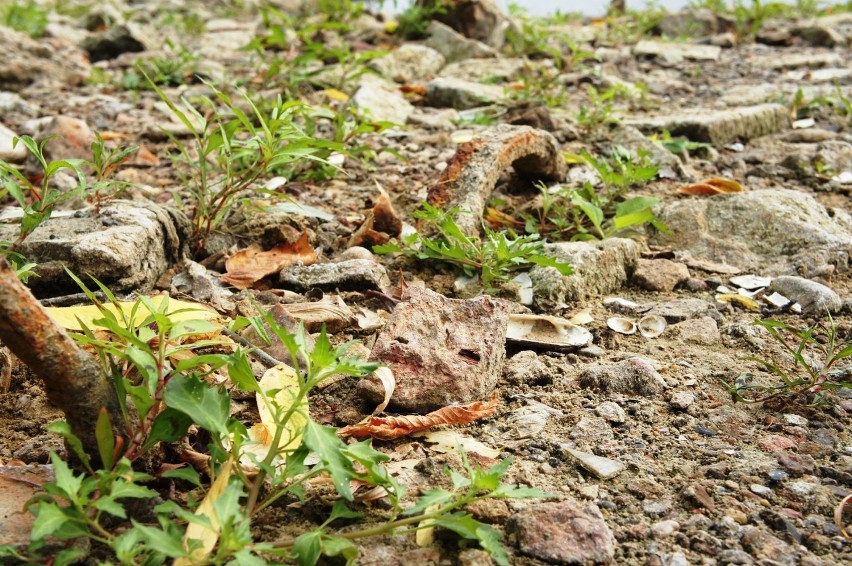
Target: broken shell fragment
[
  {"x": 750, "y": 282},
  {"x": 624, "y": 306},
  {"x": 652, "y": 325},
  {"x": 621, "y": 325},
  {"x": 548, "y": 332},
  {"x": 777, "y": 300}
]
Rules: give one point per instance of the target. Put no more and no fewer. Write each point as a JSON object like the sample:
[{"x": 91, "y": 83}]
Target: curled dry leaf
[
  {"x": 196, "y": 531},
  {"x": 710, "y": 187},
  {"x": 380, "y": 225},
  {"x": 388, "y": 428},
  {"x": 445, "y": 441},
  {"x": 248, "y": 266},
  {"x": 385, "y": 375},
  {"x": 838, "y": 517}
]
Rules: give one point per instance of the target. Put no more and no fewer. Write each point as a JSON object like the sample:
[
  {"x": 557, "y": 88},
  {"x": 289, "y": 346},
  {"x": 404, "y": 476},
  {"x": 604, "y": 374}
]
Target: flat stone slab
[
  {"x": 599, "y": 268},
  {"x": 382, "y": 100},
  {"x": 17, "y": 485},
  {"x": 502, "y": 70},
  {"x": 798, "y": 60},
  {"x": 447, "y": 92},
  {"x": 673, "y": 52},
  {"x": 719, "y": 127},
  {"x": 126, "y": 246},
  {"x": 411, "y": 62}
]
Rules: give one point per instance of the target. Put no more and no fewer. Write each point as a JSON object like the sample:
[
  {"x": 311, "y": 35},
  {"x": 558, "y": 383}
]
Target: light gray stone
[
  {"x": 659, "y": 274},
  {"x": 599, "y": 268},
  {"x": 814, "y": 297},
  {"x": 682, "y": 400},
  {"x": 454, "y": 46},
  {"x": 603, "y": 468},
  {"x": 382, "y": 101},
  {"x": 501, "y": 70},
  {"x": 461, "y": 94},
  {"x": 673, "y": 53},
  {"x": 349, "y": 275},
  {"x": 128, "y": 245},
  {"x": 27, "y": 62},
  {"x": 611, "y": 411},
  {"x": 411, "y": 62},
  {"x": 703, "y": 330},
  {"x": 10, "y": 154},
  {"x": 635, "y": 376},
  {"x": 798, "y": 59},
  {"x": 771, "y": 231},
  {"x": 719, "y": 127}
]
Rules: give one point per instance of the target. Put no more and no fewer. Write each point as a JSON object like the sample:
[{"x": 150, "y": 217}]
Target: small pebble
[
  {"x": 682, "y": 400},
  {"x": 760, "y": 490},
  {"x": 662, "y": 529},
  {"x": 611, "y": 411}
]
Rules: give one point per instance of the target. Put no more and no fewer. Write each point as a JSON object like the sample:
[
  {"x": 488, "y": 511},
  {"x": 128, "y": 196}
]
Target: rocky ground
[{"x": 683, "y": 474}]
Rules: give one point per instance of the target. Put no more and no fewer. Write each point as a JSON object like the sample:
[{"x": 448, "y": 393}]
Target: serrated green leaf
[
  {"x": 324, "y": 441},
  {"x": 208, "y": 407},
  {"x": 187, "y": 474},
  {"x": 308, "y": 548}
]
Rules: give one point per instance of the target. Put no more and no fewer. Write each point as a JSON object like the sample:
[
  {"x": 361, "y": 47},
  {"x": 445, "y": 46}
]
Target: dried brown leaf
[
  {"x": 725, "y": 185},
  {"x": 711, "y": 187},
  {"x": 252, "y": 264},
  {"x": 388, "y": 428}
]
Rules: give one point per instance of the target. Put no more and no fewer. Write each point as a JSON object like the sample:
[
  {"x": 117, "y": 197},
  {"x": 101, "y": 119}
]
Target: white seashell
[
  {"x": 724, "y": 290},
  {"x": 582, "y": 317},
  {"x": 652, "y": 325},
  {"x": 525, "y": 288},
  {"x": 621, "y": 325},
  {"x": 750, "y": 282},
  {"x": 546, "y": 332},
  {"x": 777, "y": 300}
]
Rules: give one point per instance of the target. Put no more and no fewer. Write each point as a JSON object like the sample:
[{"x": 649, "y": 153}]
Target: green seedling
[
  {"x": 152, "y": 364},
  {"x": 495, "y": 258},
  {"x": 816, "y": 362},
  {"x": 28, "y": 17}
]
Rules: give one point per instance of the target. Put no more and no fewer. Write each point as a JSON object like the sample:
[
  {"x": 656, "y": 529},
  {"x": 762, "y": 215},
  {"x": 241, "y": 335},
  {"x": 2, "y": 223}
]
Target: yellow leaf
[
  {"x": 425, "y": 535},
  {"x": 335, "y": 94},
  {"x": 281, "y": 385},
  {"x": 195, "y": 531},
  {"x": 67, "y": 316}
]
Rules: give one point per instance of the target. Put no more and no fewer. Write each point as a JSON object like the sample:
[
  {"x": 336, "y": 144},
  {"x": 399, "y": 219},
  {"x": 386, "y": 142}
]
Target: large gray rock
[
  {"x": 814, "y": 297},
  {"x": 461, "y": 94},
  {"x": 127, "y": 246},
  {"x": 599, "y": 268},
  {"x": 382, "y": 100},
  {"x": 773, "y": 231},
  {"x": 112, "y": 42},
  {"x": 411, "y": 62},
  {"x": 26, "y": 62},
  {"x": 673, "y": 53},
  {"x": 454, "y": 46},
  {"x": 502, "y": 70},
  {"x": 719, "y": 127}
]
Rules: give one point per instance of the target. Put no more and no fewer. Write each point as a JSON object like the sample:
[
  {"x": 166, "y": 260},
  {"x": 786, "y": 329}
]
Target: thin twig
[{"x": 259, "y": 354}]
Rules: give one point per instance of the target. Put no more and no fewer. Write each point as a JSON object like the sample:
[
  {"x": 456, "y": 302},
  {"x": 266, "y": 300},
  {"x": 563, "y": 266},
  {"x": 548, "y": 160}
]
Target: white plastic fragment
[
  {"x": 604, "y": 468},
  {"x": 777, "y": 300}
]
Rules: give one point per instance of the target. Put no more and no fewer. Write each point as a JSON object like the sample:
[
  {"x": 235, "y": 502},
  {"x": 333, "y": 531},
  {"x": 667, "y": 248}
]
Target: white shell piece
[
  {"x": 804, "y": 123},
  {"x": 652, "y": 325},
  {"x": 546, "y": 332},
  {"x": 797, "y": 308},
  {"x": 525, "y": 288},
  {"x": 750, "y": 294},
  {"x": 621, "y": 325},
  {"x": 777, "y": 300},
  {"x": 750, "y": 282},
  {"x": 623, "y": 306},
  {"x": 724, "y": 290},
  {"x": 582, "y": 317}
]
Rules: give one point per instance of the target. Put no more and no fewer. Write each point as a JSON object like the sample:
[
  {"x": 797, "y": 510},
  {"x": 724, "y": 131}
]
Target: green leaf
[
  {"x": 324, "y": 441},
  {"x": 169, "y": 426},
  {"x": 341, "y": 511},
  {"x": 467, "y": 527},
  {"x": 635, "y": 204},
  {"x": 187, "y": 474},
  {"x": 308, "y": 548},
  {"x": 429, "y": 498},
  {"x": 109, "y": 505},
  {"x": 240, "y": 372},
  {"x": 208, "y": 407},
  {"x": 105, "y": 439},
  {"x": 63, "y": 429},
  {"x": 633, "y": 219},
  {"x": 167, "y": 543},
  {"x": 122, "y": 488},
  {"x": 547, "y": 261},
  {"x": 49, "y": 519},
  {"x": 339, "y": 546},
  {"x": 65, "y": 478}
]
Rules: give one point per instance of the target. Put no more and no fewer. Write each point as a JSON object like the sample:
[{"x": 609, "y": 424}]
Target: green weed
[
  {"x": 494, "y": 259},
  {"x": 153, "y": 367},
  {"x": 812, "y": 367},
  {"x": 28, "y": 17}
]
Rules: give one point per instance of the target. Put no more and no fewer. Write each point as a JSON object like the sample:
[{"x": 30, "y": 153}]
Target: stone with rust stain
[
  {"x": 441, "y": 351},
  {"x": 473, "y": 171}
]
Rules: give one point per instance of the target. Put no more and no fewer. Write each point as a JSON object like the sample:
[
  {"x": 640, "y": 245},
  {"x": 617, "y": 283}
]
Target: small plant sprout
[
  {"x": 816, "y": 361},
  {"x": 495, "y": 258}
]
